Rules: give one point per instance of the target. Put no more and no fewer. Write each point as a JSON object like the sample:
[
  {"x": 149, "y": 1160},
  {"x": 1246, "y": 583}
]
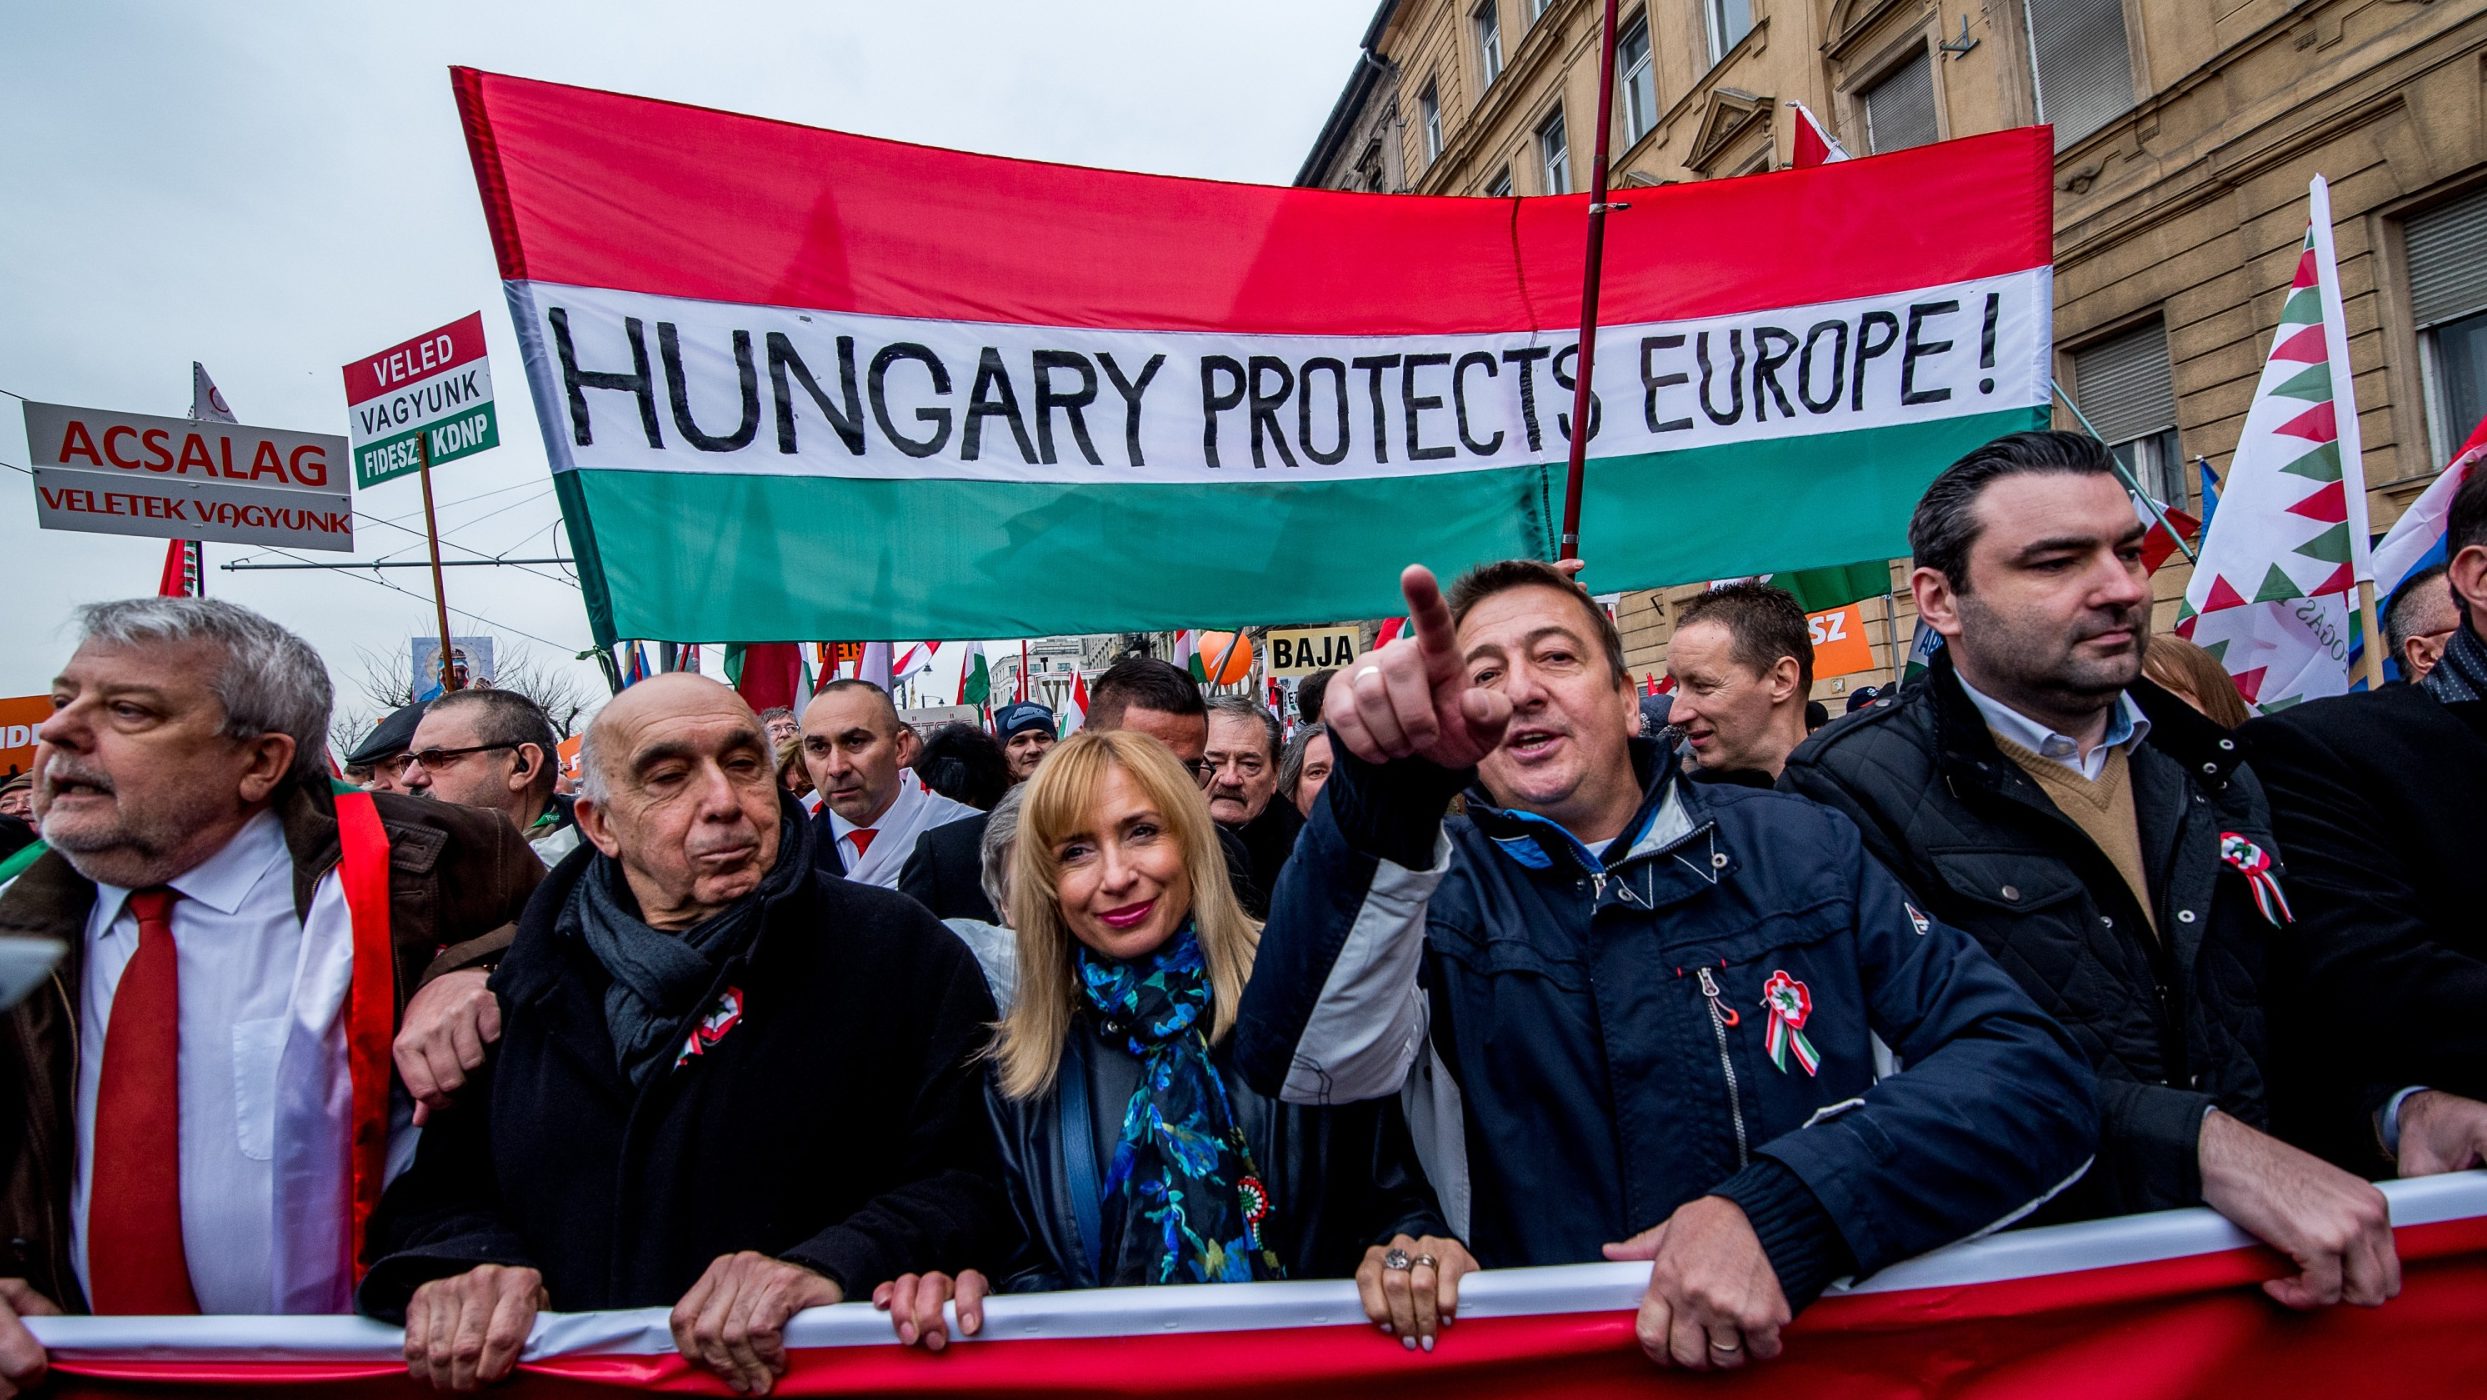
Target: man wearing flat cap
[{"x": 383, "y": 754}]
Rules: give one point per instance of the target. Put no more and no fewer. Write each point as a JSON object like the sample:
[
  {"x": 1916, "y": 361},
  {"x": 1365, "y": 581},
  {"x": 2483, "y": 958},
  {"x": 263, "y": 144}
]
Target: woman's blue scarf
[{"x": 1194, "y": 1208}]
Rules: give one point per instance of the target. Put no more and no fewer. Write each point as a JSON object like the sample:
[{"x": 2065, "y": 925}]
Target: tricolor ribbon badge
[
  {"x": 2254, "y": 863},
  {"x": 1789, "y": 1004}
]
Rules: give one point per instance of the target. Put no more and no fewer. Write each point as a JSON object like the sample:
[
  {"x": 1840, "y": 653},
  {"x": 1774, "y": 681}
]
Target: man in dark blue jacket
[{"x": 1666, "y": 1017}]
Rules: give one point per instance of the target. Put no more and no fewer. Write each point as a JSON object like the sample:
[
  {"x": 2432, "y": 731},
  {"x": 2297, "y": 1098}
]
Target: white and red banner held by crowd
[
  {"x": 797, "y": 383},
  {"x": 185, "y": 479},
  {"x": 437, "y": 383},
  {"x": 2149, "y": 1307}
]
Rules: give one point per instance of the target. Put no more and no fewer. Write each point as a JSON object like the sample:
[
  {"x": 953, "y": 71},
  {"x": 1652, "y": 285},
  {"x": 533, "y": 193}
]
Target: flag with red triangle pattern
[{"x": 2275, "y": 589}]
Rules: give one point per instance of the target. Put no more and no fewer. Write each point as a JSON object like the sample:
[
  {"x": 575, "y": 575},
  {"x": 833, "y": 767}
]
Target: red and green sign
[{"x": 437, "y": 384}]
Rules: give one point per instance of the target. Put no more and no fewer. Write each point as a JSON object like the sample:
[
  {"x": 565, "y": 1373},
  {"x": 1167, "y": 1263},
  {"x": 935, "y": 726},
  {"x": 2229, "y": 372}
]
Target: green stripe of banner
[
  {"x": 460, "y": 435},
  {"x": 710, "y": 557}
]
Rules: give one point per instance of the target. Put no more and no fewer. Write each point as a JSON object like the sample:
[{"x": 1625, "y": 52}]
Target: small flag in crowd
[
  {"x": 2416, "y": 540},
  {"x": 635, "y": 665},
  {"x": 976, "y": 684},
  {"x": 1187, "y": 652},
  {"x": 2273, "y": 591},
  {"x": 766, "y": 674},
  {"x": 181, "y": 570},
  {"x": 1922, "y": 645},
  {"x": 2210, "y": 498},
  {"x": 1075, "y": 709},
  {"x": 2165, "y": 535}
]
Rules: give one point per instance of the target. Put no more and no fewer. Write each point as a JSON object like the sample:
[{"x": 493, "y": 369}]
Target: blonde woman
[{"x": 1133, "y": 1154}]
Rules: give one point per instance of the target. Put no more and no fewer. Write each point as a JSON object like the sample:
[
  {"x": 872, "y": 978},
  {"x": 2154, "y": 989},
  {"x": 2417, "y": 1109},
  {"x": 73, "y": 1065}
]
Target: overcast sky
[{"x": 275, "y": 188}]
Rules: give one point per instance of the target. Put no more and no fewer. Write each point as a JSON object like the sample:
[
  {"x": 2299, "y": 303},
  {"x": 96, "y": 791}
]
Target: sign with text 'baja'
[
  {"x": 1300, "y": 651},
  {"x": 437, "y": 383},
  {"x": 180, "y": 479}
]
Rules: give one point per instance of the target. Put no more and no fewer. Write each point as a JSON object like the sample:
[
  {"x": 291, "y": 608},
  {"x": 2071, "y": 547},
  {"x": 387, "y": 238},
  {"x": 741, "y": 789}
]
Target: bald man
[
  {"x": 779, "y": 1061},
  {"x": 861, "y": 757}
]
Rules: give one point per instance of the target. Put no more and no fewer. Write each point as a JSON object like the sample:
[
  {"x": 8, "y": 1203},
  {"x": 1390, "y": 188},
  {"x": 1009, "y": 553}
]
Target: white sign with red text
[{"x": 179, "y": 478}]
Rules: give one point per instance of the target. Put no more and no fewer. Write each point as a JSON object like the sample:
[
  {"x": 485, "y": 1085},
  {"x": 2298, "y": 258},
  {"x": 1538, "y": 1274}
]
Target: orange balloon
[{"x": 1212, "y": 646}]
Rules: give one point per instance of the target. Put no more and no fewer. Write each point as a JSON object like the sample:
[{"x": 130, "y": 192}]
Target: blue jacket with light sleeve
[{"x": 1604, "y": 1025}]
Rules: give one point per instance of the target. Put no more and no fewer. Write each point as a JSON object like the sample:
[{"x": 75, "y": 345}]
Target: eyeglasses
[
  {"x": 439, "y": 758},
  {"x": 1202, "y": 770}
]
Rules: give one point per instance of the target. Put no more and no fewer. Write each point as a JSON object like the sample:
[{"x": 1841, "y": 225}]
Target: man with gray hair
[
  {"x": 1241, "y": 778},
  {"x": 182, "y": 1127}
]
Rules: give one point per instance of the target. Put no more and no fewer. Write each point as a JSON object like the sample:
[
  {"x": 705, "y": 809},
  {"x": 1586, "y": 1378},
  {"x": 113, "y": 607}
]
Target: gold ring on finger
[{"x": 1424, "y": 1261}]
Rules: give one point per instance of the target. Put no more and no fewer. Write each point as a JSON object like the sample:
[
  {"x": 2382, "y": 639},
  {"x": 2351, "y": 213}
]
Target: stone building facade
[{"x": 2186, "y": 133}]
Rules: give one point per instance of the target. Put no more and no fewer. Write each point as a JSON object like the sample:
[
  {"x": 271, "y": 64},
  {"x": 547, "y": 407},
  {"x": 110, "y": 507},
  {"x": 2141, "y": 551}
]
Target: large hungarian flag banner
[
  {"x": 2154, "y": 1306},
  {"x": 797, "y": 383}
]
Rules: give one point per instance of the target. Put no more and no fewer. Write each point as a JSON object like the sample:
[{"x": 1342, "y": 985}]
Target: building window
[
  {"x": 1554, "y": 153},
  {"x": 2127, "y": 389},
  {"x": 1728, "y": 21},
  {"x": 1489, "y": 21},
  {"x": 1640, "y": 81},
  {"x": 1500, "y": 186},
  {"x": 2447, "y": 252},
  {"x": 1538, "y": 8},
  {"x": 1899, "y": 108},
  {"x": 2082, "y": 62},
  {"x": 1429, "y": 113}
]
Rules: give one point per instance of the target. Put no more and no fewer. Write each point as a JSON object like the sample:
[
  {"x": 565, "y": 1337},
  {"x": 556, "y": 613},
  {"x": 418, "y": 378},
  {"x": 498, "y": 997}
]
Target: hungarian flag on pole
[
  {"x": 1075, "y": 705},
  {"x": 1815, "y": 145},
  {"x": 1033, "y": 397},
  {"x": 2276, "y": 586},
  {"x": 766, "y": 674},
  {"x": 1187, "y": 652}
]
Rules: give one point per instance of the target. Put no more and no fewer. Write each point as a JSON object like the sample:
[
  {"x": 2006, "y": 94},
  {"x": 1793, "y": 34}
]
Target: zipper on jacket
[{"x": 1721, "y": 1017}]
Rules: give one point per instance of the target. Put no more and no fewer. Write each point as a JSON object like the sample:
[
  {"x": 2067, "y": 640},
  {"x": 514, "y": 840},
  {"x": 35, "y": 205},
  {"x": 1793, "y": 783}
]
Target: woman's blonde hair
[
  {"x": 2196, "y": 676},
  {"x": 1060, "y": 803}
]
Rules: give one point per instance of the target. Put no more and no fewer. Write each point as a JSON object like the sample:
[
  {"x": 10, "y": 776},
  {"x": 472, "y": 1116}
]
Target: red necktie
[
  {"x": 862, "y": 837},
  {"x": 135, "y": 1263}
]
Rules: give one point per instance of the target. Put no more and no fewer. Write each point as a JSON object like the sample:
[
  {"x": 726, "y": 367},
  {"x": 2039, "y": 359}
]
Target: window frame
[
  {"x": 1554, "y": 143},
  {"x": 1486, "y": 21},
  {"x": 1714, "y": 25},
  {"x": 1429, "y": 119},
  {"x": 1647, "y": 66},
  {"x": 2038, "y": 81},
  {"x": 1910, "y": 57},
  {"x": 1500, "y": 186}
]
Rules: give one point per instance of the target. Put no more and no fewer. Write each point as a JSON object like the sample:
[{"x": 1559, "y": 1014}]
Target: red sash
[{"x": 370, "y": 1006}]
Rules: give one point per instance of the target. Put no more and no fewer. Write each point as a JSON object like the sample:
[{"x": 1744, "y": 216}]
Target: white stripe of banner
[
  {"x": 1236, "y": 1307},
  {"x": 740, "y": 389}
]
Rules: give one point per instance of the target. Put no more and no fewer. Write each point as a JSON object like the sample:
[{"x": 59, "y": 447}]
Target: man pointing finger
[{"x": 1540, "y": 963}]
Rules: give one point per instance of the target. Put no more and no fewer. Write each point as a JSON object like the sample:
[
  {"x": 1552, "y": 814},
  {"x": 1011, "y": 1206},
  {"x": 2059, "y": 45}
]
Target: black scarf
[
  {"x": 2461, "y": 673},
  {"x": 659, "y": 977}
]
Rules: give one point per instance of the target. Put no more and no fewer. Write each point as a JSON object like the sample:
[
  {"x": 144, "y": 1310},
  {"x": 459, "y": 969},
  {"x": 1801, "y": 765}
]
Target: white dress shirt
[
  {"x": 266, "y": 1099},
  {"x": 2126, "y": 727},
  {"x": 911, "y": 813}
]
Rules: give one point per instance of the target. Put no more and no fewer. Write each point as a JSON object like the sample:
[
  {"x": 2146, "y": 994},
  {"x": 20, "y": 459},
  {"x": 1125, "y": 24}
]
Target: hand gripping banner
[
  {"x": 796, "y": 383},
  {"x": 2151, "y": 1306}
]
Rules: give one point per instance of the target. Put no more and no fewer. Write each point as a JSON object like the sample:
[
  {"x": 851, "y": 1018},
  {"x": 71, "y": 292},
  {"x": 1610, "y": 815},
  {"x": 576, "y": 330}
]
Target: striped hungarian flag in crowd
[
  {"x": 2275, "y": 587},
  {"x": 798, "y": 383}
]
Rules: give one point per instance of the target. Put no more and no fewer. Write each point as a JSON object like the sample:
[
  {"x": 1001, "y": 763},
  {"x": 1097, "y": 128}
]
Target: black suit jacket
[
  {"x": 945, "y": 872},
  {"x": 2378, "y": 800}
]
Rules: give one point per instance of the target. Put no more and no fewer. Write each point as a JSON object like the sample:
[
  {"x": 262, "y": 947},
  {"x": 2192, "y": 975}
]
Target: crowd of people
[{"x": 1490, "y": 964}]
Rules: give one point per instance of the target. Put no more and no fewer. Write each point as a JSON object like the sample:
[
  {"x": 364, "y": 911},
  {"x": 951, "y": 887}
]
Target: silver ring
[
  {"x": 1397, "y": 1260},
  {"x": 1728, "y": 1350},
  {"x": 1368, "y": 671}
]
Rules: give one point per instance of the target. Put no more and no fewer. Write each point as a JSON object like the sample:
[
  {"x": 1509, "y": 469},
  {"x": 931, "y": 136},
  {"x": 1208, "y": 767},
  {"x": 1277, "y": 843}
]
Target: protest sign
[
  {"x": 20, "y": 716},
  {"x": 437, "y": 383},
  {"x": 182, "y": 479},
  {"x": 1840, "y": 647},
  {"x": 470, "y": 659},
  {"x": 1038, "y": 399},
  {"x": 1300, "y": 651}
]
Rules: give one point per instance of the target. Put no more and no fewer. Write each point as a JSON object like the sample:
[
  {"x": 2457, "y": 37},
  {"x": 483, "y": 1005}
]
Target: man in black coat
[
  {"x": 723, "y": 1078},
  {"x": 2104, "y": 842},
  {"x": 2379, "y": 800}
]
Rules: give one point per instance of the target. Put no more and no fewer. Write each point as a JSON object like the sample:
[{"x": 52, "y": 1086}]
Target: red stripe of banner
[
  {"x": 2182, "y": 1327},
  {"x": 363, "y": 376},
  {"x": 598, "y": 189}
]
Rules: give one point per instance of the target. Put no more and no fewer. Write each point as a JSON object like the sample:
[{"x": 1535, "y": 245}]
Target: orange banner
[
  {"x": 19, "y": 718},
  {"x": 1839, "y": 644}
]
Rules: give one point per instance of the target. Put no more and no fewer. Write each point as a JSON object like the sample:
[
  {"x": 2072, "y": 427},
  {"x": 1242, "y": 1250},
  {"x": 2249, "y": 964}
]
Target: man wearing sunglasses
[{"x": 493, "y": 749}]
